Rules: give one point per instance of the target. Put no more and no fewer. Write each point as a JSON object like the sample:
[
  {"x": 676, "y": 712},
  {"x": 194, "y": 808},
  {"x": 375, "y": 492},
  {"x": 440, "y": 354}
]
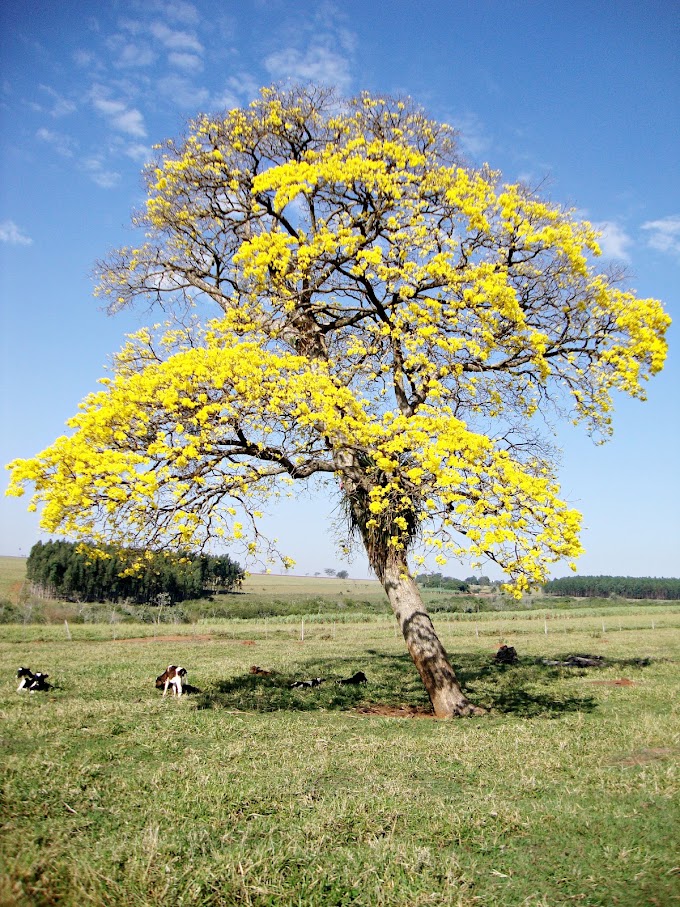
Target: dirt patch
[
  {"x": 15, "y": 591},
  {"x": 200, "y": 637},
  {"x": 394, "y": 711},
  {"x": 644, "y": 756},
  {"x": 621, "y": 682}
]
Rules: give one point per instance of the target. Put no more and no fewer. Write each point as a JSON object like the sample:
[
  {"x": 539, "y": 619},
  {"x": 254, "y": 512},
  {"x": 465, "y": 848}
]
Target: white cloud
[
  {"x": 614, "y": 240},
  {"x": 105, "y": 179},
  {"x": 175, "y": 40},
  {"x": 83, "y": 58},
  {"x": 90, "y": 61},
  {"x": 178, "y": 10},
  {"x": 12, "y": 234},
  {"x": 472, "y": 135},
  {"x": 240, "y": 89},
  {"x": 181, "y": 12},
  {"x": 225, "y": 100},
  {"x": 187, "y": 62},
  {"x": 120, "y": 116},
  {"x": 132, "y": 54},
  {"x": 61, "y": 106},
  {"x": 139, "y": 153},
  {"x": 183, "y": 93},
  {"x": 664, "y": 234},
  {"x": 318, "y": 63},
  {"x": 62, "y": 144}
]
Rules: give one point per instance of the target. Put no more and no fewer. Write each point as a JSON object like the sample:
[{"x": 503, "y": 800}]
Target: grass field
[
  {"x": 12, "y": 575},
  {"x": 252, "y": 793}
]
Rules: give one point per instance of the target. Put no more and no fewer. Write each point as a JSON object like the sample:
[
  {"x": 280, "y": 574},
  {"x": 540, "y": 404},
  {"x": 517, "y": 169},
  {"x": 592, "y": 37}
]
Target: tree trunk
[{"x": 427, "y": 652}]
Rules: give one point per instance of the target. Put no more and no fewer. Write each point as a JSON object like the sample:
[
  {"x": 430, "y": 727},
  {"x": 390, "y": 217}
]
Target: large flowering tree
[{"x": 384, "y": 316}]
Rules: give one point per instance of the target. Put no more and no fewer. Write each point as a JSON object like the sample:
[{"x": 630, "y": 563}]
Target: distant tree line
[
  {"x": 78, "y": 572},
  {"x": 605, "y": 586},
  {"x": 437, "y": 581},
  {"x": 338, "y": 574}
]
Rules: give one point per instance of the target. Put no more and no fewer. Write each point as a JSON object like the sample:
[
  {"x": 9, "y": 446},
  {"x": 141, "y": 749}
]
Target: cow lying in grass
[
  {"x": 359, "y": 677},
  {"x": 171, "y": 677},
  {"x": 33, "y": 682}
]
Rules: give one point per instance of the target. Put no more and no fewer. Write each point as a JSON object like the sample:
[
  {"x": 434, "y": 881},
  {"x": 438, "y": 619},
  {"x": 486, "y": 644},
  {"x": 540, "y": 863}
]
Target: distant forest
[
  {"x": 450, "y": 583},
  {"x": 665, "y": 589},
  {"x": 77, "y": 572}
]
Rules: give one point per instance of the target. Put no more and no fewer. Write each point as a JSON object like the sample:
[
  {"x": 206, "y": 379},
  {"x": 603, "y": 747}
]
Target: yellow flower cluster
[{"x": 161, "y": 442}]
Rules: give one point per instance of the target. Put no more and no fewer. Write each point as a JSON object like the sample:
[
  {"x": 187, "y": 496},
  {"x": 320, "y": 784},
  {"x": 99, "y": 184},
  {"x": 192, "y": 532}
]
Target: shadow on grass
[{"x": 527, "y": 689}]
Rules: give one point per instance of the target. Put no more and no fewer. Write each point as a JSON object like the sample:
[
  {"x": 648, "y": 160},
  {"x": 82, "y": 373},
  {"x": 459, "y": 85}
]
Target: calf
[
  {"x": 301, "y": 684},
  {"x": 359, "y": 677},
  {"x": 506, "y": 655},
  {"x": 171, "y": 677},
  {"x": 33, "y": 682},
  {"x": 25, "y": 677}
]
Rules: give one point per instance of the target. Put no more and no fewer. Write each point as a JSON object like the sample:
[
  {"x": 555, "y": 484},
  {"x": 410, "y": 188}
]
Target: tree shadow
[
  {"x": 274, "y": 692},
  {"x": 532, "y": 686},
  {"x": 529, "y": 688},
  {"x": 526, "y": 689}
]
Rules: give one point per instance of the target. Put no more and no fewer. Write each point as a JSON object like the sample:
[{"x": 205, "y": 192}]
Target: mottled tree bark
[{"x": 427, "y": 652}]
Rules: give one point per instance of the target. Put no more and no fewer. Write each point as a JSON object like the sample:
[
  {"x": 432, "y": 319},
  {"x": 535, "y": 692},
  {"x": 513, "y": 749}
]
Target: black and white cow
[
  {"x": 32, "y": 681},
  {"x": 301, "y": 684}
]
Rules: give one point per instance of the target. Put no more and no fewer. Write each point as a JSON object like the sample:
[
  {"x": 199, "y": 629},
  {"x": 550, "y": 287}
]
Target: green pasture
[
  {"x": 249, "y": 792},
  {"x": 252, "y": 793},
  {"x": 275, "y": 596},
  {"x": 12, "y": 576}
]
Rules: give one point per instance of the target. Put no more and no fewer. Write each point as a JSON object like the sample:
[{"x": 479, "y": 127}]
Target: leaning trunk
[
  {"x": 427, "y": 652},
  {"x": 377, "y": 532}
]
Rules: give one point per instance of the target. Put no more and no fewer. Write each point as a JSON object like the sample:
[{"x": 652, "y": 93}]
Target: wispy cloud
[
  {"x": 131, "y": 54},
  {"x": 138, "y": 152},
  {"x": 472, "y": 134},
  {"x": 174, "y": 39},
  {"x": 59, "y": 105},
  {"x": 317, "y": 48},
  {"x": 239, "y": 89},
  {"x": 62, "y": 144},
  {"x": 134, "y": 43},
  {"x": 120, "y": 116},
  {"x": 183, "y": 92},
  {"x": 614, "y": 240},
  {"x": 187, "y": 62},
  {"x": 664, "y": 234},
  {"x": 105, "y": 179},
  {"x": 177, "y": 10},
  {"x": 13, "y": 234},
  {"x": 319, "y": 63},
  {"x": 84, "y": 58}
]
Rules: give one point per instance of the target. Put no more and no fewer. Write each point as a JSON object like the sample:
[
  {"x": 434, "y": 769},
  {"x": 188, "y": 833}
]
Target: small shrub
[{"x": 10, "y": 613}]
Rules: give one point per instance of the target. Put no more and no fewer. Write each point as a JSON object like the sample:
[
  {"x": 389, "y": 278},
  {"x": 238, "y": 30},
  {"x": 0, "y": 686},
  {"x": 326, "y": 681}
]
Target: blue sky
[{"x": 580, "y": 97}]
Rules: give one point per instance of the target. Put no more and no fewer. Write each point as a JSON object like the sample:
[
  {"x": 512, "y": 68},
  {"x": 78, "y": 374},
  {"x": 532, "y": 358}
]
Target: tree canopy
[{"x": 386, "y": 316}]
